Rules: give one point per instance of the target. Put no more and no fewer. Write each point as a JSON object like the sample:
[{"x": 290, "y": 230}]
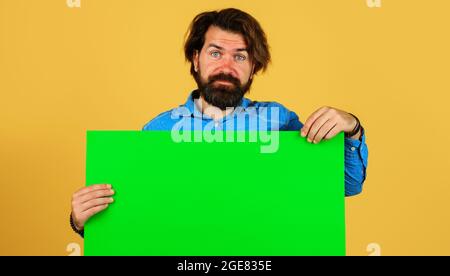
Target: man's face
[{"x": 224, "y": 68}]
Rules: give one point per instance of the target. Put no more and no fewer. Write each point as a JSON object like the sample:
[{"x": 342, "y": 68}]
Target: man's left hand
[{"x": 326, "y": 123}]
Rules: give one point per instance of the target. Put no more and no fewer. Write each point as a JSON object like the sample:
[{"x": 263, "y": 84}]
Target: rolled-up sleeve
[{"x": 356, "y": 156}]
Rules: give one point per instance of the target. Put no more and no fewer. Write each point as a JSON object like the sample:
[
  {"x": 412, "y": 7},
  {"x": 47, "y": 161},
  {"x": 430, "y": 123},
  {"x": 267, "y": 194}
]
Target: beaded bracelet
[
  {"x": 356, "y": 129},
  {"x": 72, "y": 224}
]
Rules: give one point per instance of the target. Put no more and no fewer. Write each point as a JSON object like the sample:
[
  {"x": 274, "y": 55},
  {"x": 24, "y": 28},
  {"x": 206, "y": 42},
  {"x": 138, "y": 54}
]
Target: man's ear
[{"x": 195, "y": 60}]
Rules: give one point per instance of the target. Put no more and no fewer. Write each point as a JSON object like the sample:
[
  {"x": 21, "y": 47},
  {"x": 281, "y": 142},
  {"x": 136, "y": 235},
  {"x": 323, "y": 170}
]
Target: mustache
[{"x": 224, "y": 77}]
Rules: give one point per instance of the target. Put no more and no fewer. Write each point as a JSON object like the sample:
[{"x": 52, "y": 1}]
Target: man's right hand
[{"x": 89, "y": 201}]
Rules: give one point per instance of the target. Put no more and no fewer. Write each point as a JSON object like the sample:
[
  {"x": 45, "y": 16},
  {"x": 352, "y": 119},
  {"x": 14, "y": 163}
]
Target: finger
[
  {"x": 94, "y": 194},
  {"x": 317, "y": 125},
  {"x": 89, "y": 189},
  {"x": 95, "y": 202},
  {"x": 333, "y": 132},
  {"x": 90, "y": 212},
  {"x": 324, "y": 130},
  {"x": 311, "y": 119}
]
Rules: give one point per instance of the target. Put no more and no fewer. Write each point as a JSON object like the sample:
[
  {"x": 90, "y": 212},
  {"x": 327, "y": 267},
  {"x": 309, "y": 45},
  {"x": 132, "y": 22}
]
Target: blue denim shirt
[{"x": 250, "y": 115}]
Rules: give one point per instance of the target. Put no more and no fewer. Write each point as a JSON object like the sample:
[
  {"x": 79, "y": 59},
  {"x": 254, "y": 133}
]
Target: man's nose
[{"x": 227, "y": 65}]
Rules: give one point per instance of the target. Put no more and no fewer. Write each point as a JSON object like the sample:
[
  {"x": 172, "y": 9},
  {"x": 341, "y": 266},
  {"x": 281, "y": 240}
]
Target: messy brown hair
[{"x": 232, "y": 20}]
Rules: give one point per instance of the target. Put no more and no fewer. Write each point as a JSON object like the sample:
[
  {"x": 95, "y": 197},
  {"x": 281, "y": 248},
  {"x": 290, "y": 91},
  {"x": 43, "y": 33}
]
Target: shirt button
[{"x": 353, "y": 148}]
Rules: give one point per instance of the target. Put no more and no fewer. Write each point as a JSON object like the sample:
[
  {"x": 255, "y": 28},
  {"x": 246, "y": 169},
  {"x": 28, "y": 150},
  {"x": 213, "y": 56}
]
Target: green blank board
[{"x": 216, "y": 198}]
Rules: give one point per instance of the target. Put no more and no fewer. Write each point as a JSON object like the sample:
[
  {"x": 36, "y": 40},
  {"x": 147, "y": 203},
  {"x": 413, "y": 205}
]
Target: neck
[{"x": 212, "y": 111}]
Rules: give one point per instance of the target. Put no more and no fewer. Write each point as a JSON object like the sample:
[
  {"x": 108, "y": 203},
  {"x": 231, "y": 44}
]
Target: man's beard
[{"x": 219, "y": 95}]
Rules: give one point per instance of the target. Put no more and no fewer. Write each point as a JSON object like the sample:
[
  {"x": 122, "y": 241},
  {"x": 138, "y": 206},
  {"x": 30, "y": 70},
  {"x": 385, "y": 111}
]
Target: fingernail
[
  {"x": 302, "y": 133},
  {"x": 109, "y": 186},
  {"x": 309, "y": 140},
  {"x": 111, "y": 200}
]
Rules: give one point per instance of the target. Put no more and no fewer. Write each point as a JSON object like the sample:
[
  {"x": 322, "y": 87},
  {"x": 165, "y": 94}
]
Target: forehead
[{"x": 225, "y": 39}]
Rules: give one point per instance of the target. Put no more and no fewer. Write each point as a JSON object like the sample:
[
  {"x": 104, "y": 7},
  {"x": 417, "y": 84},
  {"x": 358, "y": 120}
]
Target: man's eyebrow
[
  {"x": 242, "y": 50},
  {"x": 221, "y": 48}
]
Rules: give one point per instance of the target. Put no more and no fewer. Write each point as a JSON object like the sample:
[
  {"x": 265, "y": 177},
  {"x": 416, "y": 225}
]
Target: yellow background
[{"x": 117, "y": 64}]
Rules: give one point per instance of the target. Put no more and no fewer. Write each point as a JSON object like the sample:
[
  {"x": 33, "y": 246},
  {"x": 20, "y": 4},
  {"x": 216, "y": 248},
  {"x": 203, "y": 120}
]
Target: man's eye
[
  {"x": 240, "y": 58},
  {"x": 215, "y": 54}
]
